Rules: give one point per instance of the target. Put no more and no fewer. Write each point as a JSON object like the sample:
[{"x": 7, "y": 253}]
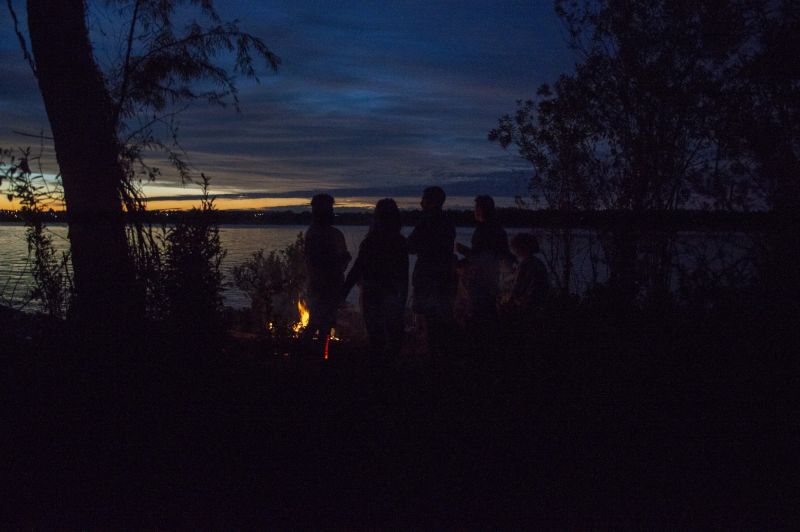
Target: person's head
[
  {"x": 484, "y": 208},
  {"x": 386, "y": 218},
  {"x": 524, "y": 245},
  {"x": 322, "y": 209},
  {"x": 432, "y": 199}
]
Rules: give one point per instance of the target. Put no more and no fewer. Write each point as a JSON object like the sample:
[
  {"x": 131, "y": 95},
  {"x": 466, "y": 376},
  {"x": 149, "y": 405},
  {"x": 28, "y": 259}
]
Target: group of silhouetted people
[{"x": 381, "y": 270}]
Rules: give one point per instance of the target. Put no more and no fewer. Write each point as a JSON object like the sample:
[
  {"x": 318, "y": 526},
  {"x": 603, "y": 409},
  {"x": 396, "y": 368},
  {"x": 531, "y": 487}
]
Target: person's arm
[
  {"x": 341, "y": 255},
  {"x": 522, "y": 281},
  {"x": 477, "y": 243},
  {"x": 541, "y": 284},
  {"x": 355, "y": 274},
  {"x": 416, "y": 240},
  {"x": 505, "y": 251},
  {"x": 406, "y": 265},
  {"x": 401, "y": 272},
  {"x": 464, "y": 250}
]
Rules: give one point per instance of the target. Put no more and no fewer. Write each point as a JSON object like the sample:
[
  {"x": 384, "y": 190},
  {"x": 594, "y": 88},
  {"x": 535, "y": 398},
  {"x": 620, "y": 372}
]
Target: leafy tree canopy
[{"x": 667, "y": 107}]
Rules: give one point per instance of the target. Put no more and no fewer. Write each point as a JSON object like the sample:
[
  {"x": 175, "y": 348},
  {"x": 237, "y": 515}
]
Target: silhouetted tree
[
  {"x": 91, "y": 117},
  {"x": 670, "y": 101},
  {"x": 759, "y": 123},
  {"x": 80, "y": 112},
  {"x": 753, "y": 45},
  {"x": 637, "y": 125},
  {"x": 631, "y": 128}
]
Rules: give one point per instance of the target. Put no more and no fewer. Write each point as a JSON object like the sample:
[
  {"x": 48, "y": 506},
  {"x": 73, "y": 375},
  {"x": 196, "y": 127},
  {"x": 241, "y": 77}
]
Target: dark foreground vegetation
[{"x": 590, "y": 418}]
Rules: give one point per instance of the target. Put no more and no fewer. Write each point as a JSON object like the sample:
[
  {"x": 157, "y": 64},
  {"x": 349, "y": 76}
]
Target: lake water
[{"x": 719, "y": 251}]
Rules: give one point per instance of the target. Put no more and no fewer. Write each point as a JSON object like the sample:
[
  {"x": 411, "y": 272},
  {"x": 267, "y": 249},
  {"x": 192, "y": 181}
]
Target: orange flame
[{"x": 304, "y": 314}]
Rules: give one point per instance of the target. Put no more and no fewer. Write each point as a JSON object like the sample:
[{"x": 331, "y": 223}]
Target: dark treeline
[{"x": 680, "y": 220}]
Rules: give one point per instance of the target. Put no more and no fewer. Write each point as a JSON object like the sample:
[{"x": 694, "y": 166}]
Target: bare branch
[
  {"x": 126, "y": 67},
  {"x": 40, "y": 136},
  {"x": 22, "y": 43}
]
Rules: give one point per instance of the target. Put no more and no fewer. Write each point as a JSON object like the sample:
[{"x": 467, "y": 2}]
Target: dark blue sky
[{"x": 371, "y": 95}]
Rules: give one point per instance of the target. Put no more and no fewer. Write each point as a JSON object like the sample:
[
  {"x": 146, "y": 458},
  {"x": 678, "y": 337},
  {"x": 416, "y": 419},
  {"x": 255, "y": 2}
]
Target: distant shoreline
[{"x": 509, "y": 217}]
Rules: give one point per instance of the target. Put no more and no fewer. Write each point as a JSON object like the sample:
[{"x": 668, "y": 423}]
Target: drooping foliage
[
  {"x": 112, "y": 123},
  {"x": 174, "y": 53}
]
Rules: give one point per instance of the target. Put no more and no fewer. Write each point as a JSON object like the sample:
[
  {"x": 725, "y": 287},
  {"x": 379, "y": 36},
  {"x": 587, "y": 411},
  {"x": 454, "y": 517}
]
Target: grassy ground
[{"x": 591, "y": 422}]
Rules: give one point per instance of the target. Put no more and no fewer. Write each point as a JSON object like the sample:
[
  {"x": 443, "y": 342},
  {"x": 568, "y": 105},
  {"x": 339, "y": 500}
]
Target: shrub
[
  {"x": 274, "y": 283},
  {"x": 191, "y": 276},
  {"x": 52, "y": 283}
]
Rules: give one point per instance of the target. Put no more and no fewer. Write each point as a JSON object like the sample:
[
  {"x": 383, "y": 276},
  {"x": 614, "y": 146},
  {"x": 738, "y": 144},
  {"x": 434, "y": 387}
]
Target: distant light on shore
[
  {"x": 294, "y": 204},
  {"x": 345, "y": 202}
]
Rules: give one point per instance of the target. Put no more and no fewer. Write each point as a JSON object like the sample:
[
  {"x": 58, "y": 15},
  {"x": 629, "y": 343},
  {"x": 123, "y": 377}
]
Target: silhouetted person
[
  {"x": 326, "y": 260},
  {"x": 381, "y": 268},
  {"x": 434, "y": 279},
  {"x": 482, "y": 262},
  {"x": 531, "y": 284}
]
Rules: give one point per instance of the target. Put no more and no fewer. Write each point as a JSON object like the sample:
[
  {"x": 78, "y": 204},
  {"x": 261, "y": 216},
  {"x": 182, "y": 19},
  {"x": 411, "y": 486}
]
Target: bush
[
  {"x": 52, "y": 282},
  {"x": 274, "y": 283},
  {"x": 192, "y": 277},
  {"x": 180, "y": 268}
]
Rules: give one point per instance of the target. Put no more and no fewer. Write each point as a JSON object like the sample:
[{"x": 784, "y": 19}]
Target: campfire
[
  {"x": 304, "y": 315},
  {"x": 303, "y": 318}
]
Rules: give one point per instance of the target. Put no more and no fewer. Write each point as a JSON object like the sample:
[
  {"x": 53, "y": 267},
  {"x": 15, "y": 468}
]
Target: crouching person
[
  {"x": 523, "y": 310},
  {"x": 531, "y": 285}
]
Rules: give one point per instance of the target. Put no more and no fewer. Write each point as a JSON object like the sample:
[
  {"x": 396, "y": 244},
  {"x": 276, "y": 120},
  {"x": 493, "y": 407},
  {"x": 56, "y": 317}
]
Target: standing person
[
  {"x": 382, "y": 270},
  {"x": 489, "y": 248},
  {"x": 434, "y": 277},
  {"x": 326, "y": 261}
]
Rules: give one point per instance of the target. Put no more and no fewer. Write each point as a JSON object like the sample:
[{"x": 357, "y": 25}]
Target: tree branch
[
  {"x": 126, "y": 68},
  {"x": 22, "y": 44},
  {"x": 40, "y": 136}
]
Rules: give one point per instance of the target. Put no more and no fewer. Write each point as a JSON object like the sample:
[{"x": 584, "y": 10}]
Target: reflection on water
[
  {"x": 15, "y": 278},
  {"x": 241, "y": 241}
]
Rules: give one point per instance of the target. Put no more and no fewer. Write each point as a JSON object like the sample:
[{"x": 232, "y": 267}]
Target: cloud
[
  {"x": 371, "y": 95},
  {"x": 501, "y": 184}
]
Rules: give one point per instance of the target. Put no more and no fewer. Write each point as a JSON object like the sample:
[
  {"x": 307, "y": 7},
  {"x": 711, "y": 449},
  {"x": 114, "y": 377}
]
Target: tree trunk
[
  {"x": 79, "y": 109},
  {"x": 622, "y": 266}
]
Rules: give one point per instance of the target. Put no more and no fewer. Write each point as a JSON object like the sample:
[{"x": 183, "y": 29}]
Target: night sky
[{"x": 373, "y": 99}]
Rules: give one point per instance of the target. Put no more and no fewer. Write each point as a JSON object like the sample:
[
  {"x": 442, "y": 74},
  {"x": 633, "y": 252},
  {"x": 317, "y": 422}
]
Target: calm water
[{"x": 718, "y": 251}]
